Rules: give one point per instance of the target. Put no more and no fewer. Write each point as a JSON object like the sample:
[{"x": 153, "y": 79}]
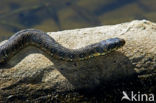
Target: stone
[{"x": 32, "y": 75}]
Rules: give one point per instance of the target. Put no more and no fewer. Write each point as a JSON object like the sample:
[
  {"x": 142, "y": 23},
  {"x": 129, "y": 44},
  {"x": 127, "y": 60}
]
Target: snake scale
[{"x": 41, "y": 40}]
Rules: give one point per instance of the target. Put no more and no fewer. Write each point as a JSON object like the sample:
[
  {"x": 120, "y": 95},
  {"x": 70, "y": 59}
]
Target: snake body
[{"x": 41, "y": 40}]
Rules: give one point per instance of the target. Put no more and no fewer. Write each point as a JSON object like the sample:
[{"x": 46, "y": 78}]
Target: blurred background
[{"x": 54, "y": 15}]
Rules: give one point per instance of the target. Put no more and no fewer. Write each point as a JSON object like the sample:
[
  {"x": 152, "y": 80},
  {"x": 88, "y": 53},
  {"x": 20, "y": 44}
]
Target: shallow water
[{"x": 55, "y": 15}]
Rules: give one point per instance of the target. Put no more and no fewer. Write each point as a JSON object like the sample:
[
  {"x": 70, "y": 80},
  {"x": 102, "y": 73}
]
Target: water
[{"x": 55, "y": 15}]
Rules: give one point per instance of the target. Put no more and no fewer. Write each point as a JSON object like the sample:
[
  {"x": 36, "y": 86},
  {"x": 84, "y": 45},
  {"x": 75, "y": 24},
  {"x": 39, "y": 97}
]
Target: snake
[{"x": 41, "y": 40}]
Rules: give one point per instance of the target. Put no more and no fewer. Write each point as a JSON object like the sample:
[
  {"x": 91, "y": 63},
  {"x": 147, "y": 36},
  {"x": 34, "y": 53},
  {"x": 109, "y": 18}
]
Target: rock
[{"x": 31, "y": 75}]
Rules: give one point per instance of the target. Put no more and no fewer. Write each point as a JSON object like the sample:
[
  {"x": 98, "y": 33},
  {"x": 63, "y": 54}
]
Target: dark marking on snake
[{"x": 41, "y": 40}]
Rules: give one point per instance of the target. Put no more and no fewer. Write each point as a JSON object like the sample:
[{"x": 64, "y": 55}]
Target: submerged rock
[{"x": 32, "y": 75}]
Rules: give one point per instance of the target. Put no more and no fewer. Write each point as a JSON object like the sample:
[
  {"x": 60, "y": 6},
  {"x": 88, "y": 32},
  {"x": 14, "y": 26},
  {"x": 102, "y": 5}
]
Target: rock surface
[{"x": 31, "y": 75}]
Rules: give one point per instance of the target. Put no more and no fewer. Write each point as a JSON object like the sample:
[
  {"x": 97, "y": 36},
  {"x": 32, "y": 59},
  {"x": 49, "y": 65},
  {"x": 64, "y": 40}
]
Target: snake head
[{"x": 111, "y": 44}]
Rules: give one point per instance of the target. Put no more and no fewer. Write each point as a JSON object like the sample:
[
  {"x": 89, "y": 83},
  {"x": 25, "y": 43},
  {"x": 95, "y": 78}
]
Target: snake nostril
[{"x": 122, "y": 42}]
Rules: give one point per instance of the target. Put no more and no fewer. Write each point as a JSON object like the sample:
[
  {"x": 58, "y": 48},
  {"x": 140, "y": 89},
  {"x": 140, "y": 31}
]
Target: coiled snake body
[{"x": 47, "y": 44}]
